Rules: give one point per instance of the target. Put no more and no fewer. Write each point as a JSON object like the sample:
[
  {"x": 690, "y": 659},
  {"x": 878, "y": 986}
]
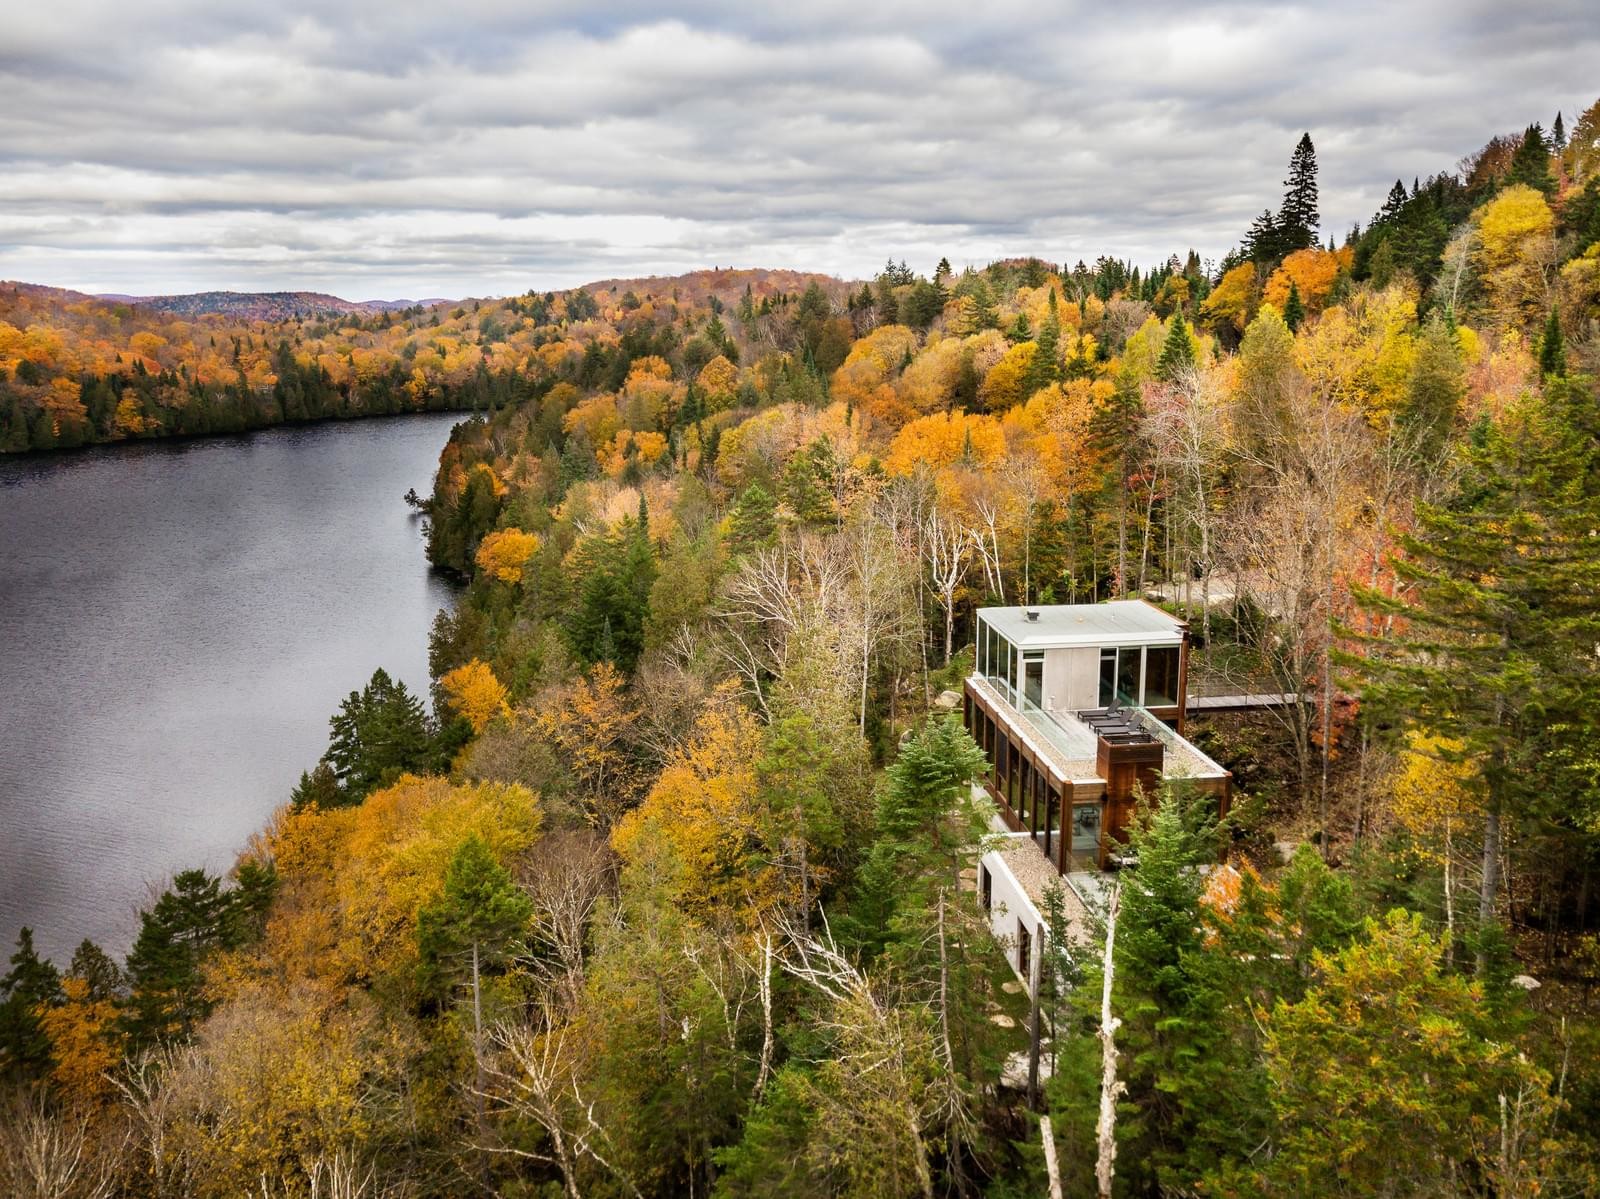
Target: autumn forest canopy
[{"x": 667, "y": 886}]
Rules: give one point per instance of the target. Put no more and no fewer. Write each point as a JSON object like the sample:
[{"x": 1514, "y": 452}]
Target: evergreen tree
[
  {"x": 1177, "y": 352},
  {"x": 97, "y": 968},
  {"x": 614, "y": 573},
  {"x": 1552, "y": 349},
  {"x": 475, "y": 924},
  {"x": 1294, "y": 309},
  {"x": 31, "y": 983},
  {"x": 1530, "y": 163},
  {"x": 1045, "y": 368},
  {"x": 378, "y": 733},
  {"x": 1263, "y": 242},
  {"x": 1499, "y": 622},
  {"x": 1558, "y": 135},
  {"x": 753, "y": 521},
  {"x": 176, "y": 935},
  {"x": 1435, "y": 390},
  {"x": 1298, "y": 217},
  {"x": 319, "y": 786}
]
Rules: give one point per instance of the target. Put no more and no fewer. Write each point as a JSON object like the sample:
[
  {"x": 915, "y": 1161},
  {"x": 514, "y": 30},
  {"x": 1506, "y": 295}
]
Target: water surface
[{"x": 177, "y": 623}]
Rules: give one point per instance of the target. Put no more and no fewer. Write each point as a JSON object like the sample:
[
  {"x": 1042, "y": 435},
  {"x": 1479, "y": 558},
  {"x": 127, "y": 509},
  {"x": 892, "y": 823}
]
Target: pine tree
[
  {"x": 1530, "y": 164},
  {"x": 1499, "y": 622},
  {"x": 96, "y": 967},
  {"x": 1177, "y": 352},
  {"x": 753, "y": 521},
  {"x": 1552, "y": 348},
  {"x": 1435, "y": 390},
  {"x": 176, "y": 935},
  {"x": 1558, "y": 134},
  {"x": 1294, "y": 309},
  {"x": 30, "y": 984},
  {"x": 1298, "y": 218},
  {"x": 378, "y": 733}
]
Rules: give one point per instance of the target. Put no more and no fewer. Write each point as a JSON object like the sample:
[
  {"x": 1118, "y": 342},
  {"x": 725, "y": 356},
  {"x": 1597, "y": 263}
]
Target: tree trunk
[
  {"x": 1051, "y": 1168},
  {"x": 1490, "y": 885},
  {"x": 1110, "y": 1088}
]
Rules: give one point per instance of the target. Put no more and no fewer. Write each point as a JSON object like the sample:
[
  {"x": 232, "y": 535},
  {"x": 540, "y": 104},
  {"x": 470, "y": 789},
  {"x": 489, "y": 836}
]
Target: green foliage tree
[
  {"x": 193, "y": 919},
  {"x": 1389, "y": 1076},
  {"x": 1435, "y": 389},
  {"x": 753, "y": 522},
  {"x": 1495, "y": 653},
  {"x": 474, "y": 926},
  {"x": 32, "y": 983},
  {"x": 1298, "y": 218},
  {"x": 1294, "y": 308},
  {"x": 613, "y": 573},
  {"x": 1177, "y": 351},
  {"x": 1552, "y": 348},
  {"x": 379, "y": 733}
]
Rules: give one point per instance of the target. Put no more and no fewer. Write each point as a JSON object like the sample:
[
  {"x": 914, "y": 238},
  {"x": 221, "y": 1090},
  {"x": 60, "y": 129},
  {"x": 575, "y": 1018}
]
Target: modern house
[{"x": 1080, "y": 708}]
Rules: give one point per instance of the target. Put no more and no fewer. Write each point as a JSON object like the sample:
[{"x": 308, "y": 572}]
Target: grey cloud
[{"x": 489, "y": 145}]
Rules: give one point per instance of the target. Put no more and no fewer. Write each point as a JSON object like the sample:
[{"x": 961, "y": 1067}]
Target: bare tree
[
  {"x": 535, "y": 1081},
  {"x": 947, "y": 551},
  {"x": 55, "y": 1155},
  {"x": 565, "y": 880}
]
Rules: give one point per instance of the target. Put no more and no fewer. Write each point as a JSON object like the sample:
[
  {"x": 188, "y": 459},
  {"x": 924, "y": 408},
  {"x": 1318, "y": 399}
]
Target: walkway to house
[{"x": 1244, "y": 702}]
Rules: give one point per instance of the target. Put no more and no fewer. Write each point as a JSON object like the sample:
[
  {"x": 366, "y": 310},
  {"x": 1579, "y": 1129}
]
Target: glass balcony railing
[{"x": 1072, "y": 739}]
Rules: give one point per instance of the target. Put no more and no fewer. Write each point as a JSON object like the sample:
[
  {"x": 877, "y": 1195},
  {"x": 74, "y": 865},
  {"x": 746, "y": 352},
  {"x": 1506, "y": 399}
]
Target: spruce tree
[
  {"x": 753, "y": 521},
  {"x": 1552, "y": 349},
  {"x": 1530, "y": 164},
  {"x": 31, "y": 983},
  {"x": 1435, "y": 389},
  {"x": 1177, "y": 352},
  {"x": 1298, "y": 218},
  {"x": 1558, "y": 134},
  {"x": 176, "y": 935},
  {"x": 1494, "y": 649},
  {"x": 1046, "y": 366},
  {"x": 474, "y": 925},
  {"x": 1294, "y": 309}
]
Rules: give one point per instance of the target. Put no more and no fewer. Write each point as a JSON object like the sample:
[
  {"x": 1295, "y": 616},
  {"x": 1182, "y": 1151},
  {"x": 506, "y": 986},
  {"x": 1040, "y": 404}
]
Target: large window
[
  {"x": 1033, "y": 679},
  {"x": 1160, "y": 676}
]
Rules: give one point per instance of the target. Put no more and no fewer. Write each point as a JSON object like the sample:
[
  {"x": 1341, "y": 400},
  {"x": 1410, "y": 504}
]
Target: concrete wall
[{"x": 1008, "y": 905}]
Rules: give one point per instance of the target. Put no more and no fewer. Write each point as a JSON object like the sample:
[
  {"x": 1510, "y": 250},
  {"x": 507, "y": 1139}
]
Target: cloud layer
[{"x": 488, "y": 146}]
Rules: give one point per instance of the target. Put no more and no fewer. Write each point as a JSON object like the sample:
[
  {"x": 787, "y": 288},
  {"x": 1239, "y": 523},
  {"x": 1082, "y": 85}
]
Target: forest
[{"x": 667, "y": 887}]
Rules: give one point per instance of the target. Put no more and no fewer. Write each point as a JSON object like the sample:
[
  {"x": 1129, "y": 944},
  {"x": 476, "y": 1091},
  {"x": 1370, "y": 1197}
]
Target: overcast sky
[{"x": 482, "y": 148}]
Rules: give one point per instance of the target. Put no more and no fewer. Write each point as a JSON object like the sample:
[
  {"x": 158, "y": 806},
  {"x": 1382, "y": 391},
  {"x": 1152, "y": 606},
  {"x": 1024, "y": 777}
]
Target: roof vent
[{"x": 1031, "y": 613}]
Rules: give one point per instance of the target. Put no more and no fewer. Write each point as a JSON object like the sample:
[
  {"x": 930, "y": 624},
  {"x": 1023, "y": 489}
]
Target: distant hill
[{"x": 265, "y": 305}]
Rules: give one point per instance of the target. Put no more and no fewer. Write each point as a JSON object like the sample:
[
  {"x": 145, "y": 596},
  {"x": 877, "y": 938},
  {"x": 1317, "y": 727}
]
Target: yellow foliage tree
[
  {"x": 1313, "y": 271},
  {"x": 945, "y": 439},
  {"x": 866, "y": 377},
  {"x": 399, "y": 844},
  {"x": 504, "y": 553},
  {"x": 1004, "y": 385},
  {"x": 1233, "y": 301},
  {"x": 1515, "y": 255},
  {"x": 84, "y": 1041},
  {"x": 646, "y": 447},
  {"x": 474, "y": 693},
  {"x": 719, "y": 383},
  {"x": 699, "y": 828}
]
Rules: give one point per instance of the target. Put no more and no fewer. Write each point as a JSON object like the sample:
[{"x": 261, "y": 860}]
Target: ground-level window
[
  {"x": 1024, "y": 948},
  {"x": 985, "y": 887}
]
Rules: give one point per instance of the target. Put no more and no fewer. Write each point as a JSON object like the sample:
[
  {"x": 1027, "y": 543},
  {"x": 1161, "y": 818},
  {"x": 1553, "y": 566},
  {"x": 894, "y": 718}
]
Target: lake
[{"x": 177, "y": 623}]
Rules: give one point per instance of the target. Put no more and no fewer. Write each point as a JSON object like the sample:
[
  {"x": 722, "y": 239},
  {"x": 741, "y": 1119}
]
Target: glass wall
[
  {"x": 1160, "y": 676},
  {"x": 1086, "y": 831}
]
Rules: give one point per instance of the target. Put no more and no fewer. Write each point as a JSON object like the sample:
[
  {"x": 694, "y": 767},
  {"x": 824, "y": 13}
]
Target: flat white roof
[{"x": 1060, "y": 626}]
